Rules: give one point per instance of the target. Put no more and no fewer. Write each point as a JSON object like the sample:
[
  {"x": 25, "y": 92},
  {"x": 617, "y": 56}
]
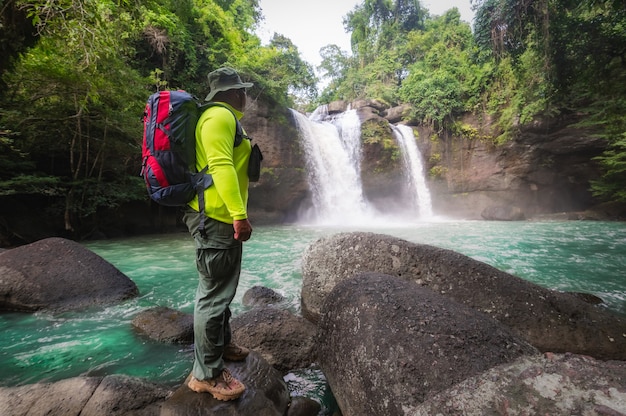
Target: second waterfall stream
[{"x": 332, "y": 149}]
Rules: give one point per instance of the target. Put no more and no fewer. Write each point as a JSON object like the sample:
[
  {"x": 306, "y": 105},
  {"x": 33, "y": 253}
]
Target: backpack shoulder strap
[
  {"x": 239, "y": 133},
  {"x": 205, "y": 183}
]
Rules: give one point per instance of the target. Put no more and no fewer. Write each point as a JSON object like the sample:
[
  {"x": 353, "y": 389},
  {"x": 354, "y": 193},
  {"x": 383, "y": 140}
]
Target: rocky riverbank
[{"x": 397, "y": 328}]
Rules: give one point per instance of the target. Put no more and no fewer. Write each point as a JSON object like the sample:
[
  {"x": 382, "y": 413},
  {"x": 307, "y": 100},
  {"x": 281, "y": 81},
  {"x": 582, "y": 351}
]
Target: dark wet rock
[
  {"x": 303, "y": 406},
  {"x": 165, "y": 325},
  {"x": 336, "y": 107},
  {"x": 285, "y": 340},
  {"x": 588, "y": 297},
  {"x": 551, "y": 384},
  {"x": 87, "y": 396},
  {"x": 368, "y": 114},
  {"x": 387, "y": 344},
  {"x": 550, "y": 320},
  {"x": 261, "y": 296},
  {"x": 377, "y": 105},
  {"x": 60, "y": 274},
  {"x": 398, "y": 113},
  {"x": 608, "y": 211},
  {"x": 311, "y": 383},
  {"x": 266, "y": 394}
]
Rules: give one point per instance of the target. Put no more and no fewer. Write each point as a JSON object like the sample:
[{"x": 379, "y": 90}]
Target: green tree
[
  {"x": 611, "y": 186},
  {"x": 71, "y": 109},
  {"x": 443, "y": 81},
  {"x": 279, "y": 68},
  {"x": 70, "y": 115},
  {"x": 376, "y": 24},
  {"x": 185, "y": 40},
  {"x": 333, "y": 67},
  {"x": 16, "y": 35},
  {"x": 556, "y": 57}
]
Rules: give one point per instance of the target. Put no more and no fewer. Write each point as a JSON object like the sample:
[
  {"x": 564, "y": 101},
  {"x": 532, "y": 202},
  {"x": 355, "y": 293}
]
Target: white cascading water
[
  {"x": 415, "y": 170},
  {"x": 332, "y": 151},
  {"x": 332, "y": 147}
]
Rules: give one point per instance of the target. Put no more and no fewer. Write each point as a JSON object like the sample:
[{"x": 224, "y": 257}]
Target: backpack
[{"x": 169, "y": 148}]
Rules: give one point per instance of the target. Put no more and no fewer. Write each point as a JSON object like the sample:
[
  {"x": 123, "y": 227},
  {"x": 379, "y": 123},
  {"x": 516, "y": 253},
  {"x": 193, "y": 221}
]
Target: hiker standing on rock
[{"x": 226, "y": 227}]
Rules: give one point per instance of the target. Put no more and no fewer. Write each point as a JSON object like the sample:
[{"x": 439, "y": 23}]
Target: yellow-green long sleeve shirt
[{"x": 227, "y": 199}]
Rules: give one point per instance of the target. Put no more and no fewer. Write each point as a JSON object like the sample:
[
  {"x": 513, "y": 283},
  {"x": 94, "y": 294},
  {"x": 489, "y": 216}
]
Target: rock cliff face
[
  {"x": 545, "y": 169},
  {"x": 282, "y": 186}
]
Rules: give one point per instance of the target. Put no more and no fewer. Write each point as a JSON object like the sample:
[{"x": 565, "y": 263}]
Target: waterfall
[
  {"x": 332, "y": 151},
  {"x": 414, "y": 169}
]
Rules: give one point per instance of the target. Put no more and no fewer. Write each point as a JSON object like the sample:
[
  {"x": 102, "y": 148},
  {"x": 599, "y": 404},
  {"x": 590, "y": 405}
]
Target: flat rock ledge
[
  {"x": 85, "y": 396},
  {"x": 266, "y": 395}
]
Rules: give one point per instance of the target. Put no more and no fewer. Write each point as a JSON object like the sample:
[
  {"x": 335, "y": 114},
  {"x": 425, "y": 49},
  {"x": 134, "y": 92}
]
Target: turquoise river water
[{"x": 570, "y": 256}]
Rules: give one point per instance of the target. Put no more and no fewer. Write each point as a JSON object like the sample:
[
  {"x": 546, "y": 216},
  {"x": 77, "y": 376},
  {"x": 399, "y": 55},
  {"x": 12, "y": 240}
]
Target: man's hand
[{"x": 243, "y": 230}]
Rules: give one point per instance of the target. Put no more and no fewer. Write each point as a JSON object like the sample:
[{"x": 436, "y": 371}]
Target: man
[{"x": 226, "y": 226}]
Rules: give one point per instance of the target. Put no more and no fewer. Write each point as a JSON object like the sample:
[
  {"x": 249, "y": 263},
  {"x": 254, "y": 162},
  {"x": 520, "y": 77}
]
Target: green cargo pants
[{"x": 218, "y": 260}]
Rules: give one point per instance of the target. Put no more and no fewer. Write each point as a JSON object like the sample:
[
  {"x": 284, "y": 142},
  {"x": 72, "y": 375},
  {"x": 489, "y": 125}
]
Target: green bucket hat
[{"x": 224, "y": 79}]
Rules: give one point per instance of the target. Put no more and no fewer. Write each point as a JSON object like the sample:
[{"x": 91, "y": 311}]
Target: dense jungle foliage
[{"x": 75, "y": 74}]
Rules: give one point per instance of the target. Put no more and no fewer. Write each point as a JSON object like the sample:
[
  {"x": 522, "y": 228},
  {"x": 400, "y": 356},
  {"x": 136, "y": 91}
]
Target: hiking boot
[
  {"x": 224, "y": 387},
  {"x": 234, "y": 352}
]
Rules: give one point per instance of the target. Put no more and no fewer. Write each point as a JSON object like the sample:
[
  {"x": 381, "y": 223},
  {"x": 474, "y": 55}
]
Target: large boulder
[
  {"x": 85, "y": 396},
  {"x": 285, "y": 340},
  {"x": 387, "y": 344},
  {"x": 57, "y": 273},
  {"x": 261, "y": 296},
  {"x": 550, "y": 320},
  {"x": 552, "y": 384},
  {"x": 266, "y": 394},
  {"x": 163, "y": 324},
  {"x": 398, "y": 113}
]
